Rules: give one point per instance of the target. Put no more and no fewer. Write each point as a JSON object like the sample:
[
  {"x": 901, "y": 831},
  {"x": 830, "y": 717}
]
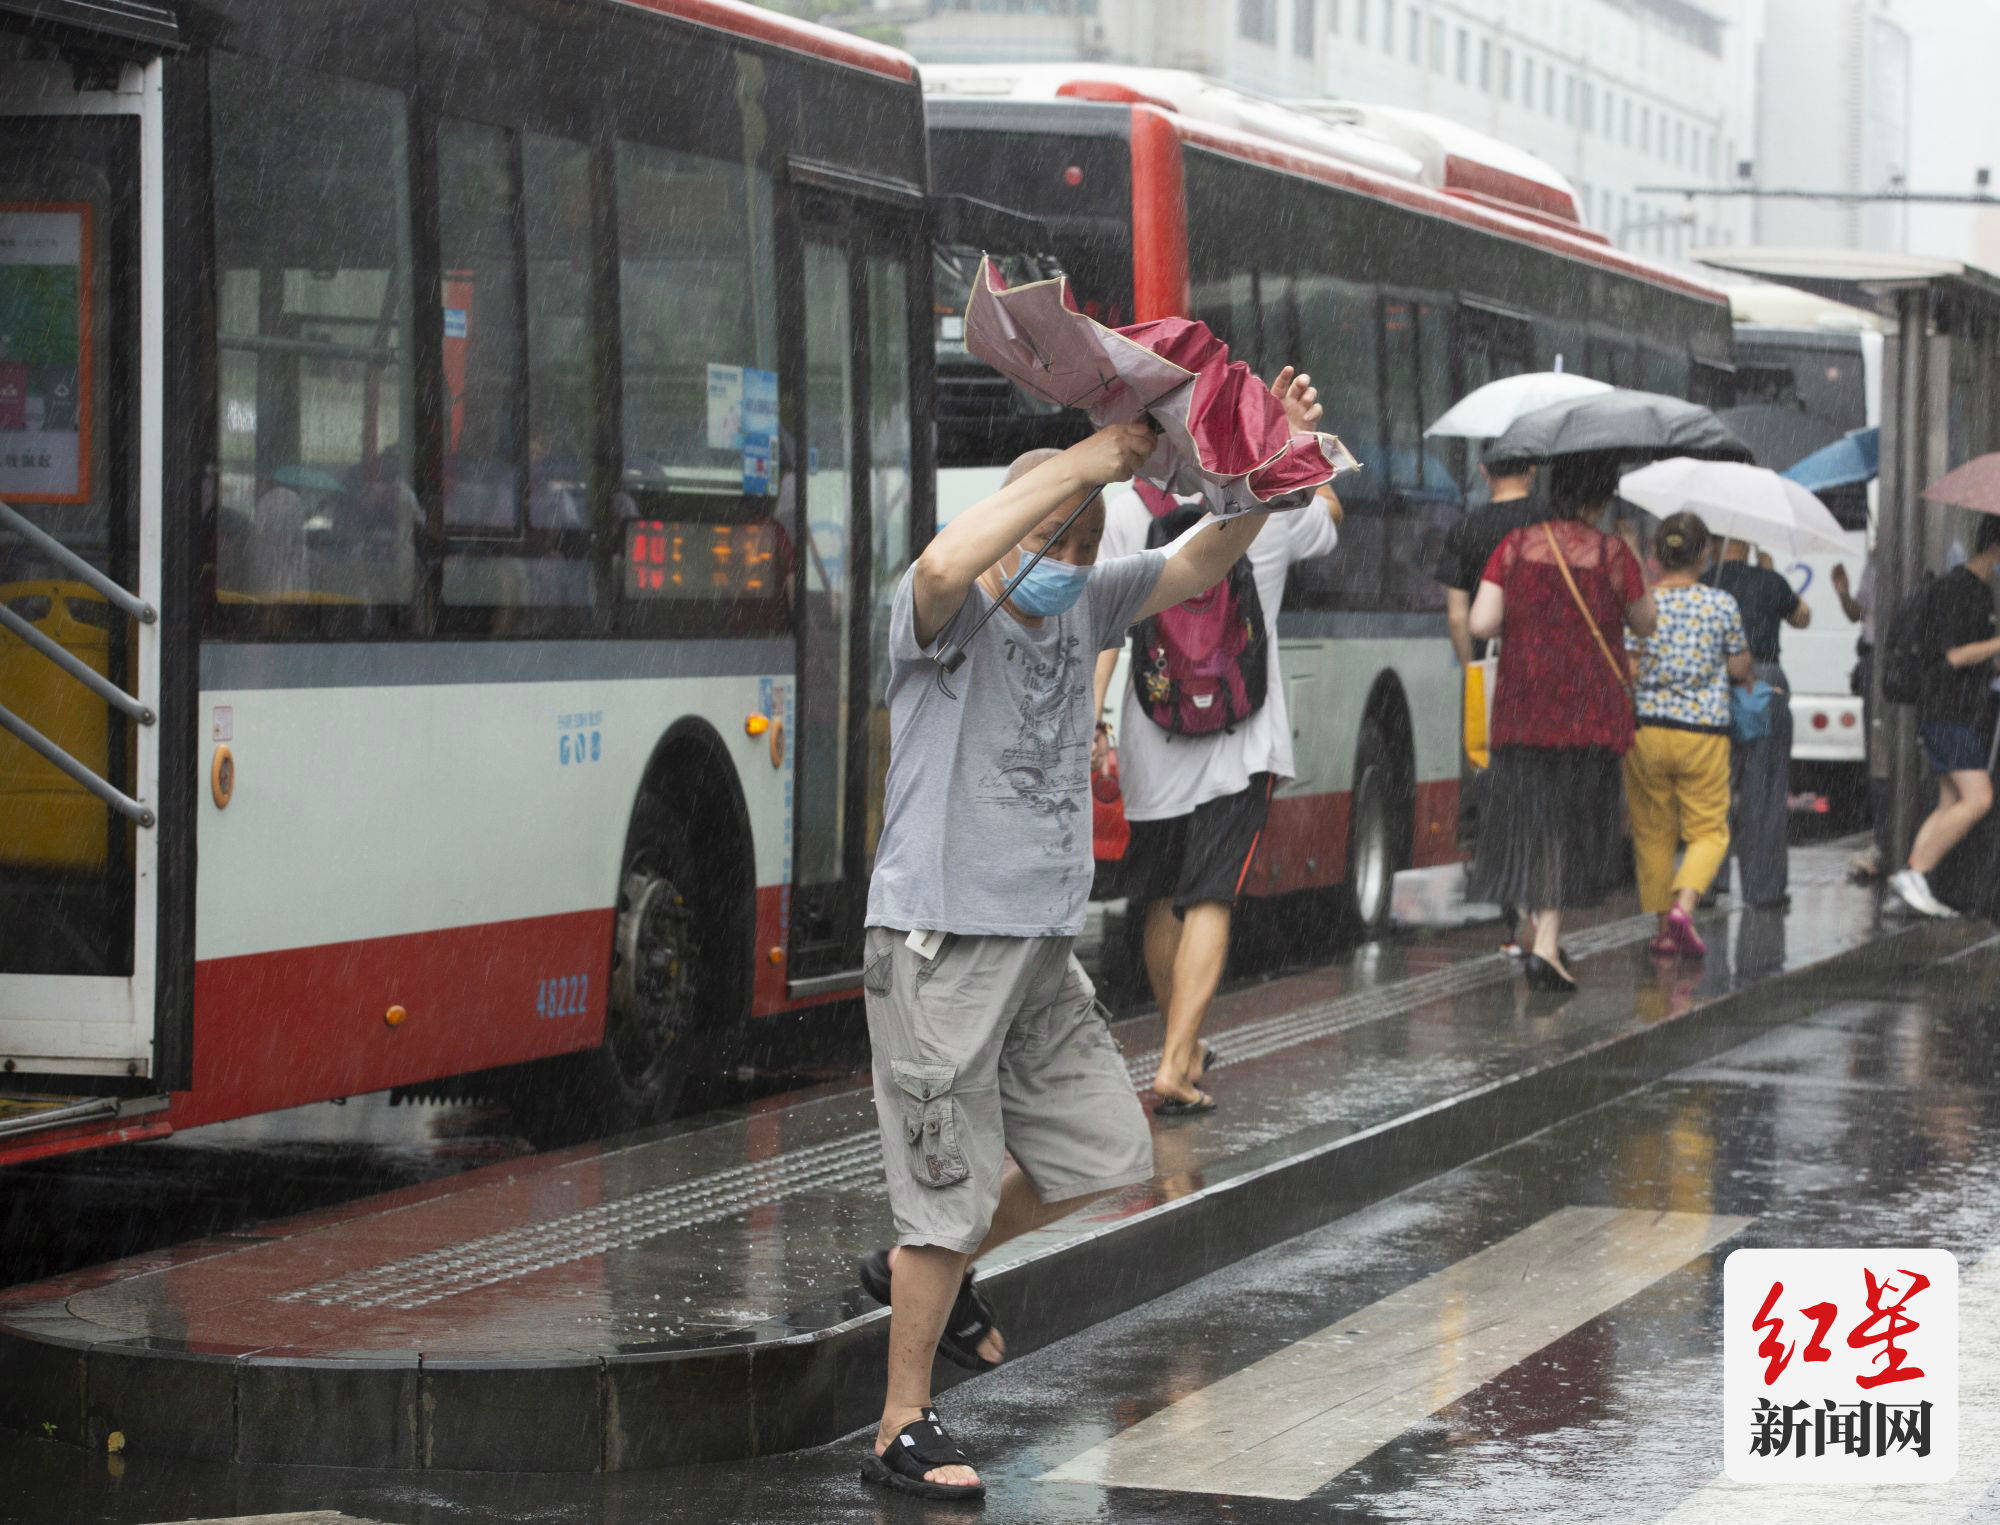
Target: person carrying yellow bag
[{"x": 1677, "y": 771}]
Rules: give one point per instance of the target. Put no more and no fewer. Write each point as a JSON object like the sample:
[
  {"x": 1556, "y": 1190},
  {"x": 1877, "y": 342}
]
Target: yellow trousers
[{"x": 1677, "y": 785}]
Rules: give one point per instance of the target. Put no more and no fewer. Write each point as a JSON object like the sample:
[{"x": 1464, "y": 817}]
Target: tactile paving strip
[{"x": 853, "y": 1161}]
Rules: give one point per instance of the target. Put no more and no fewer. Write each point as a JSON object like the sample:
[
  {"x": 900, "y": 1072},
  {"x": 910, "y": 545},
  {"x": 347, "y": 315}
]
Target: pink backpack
[{"x": 1199, "y": 668}]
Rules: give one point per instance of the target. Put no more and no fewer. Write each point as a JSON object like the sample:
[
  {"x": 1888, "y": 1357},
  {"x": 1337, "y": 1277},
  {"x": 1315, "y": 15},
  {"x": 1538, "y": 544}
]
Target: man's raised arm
[{"x": 987, "y": 531}]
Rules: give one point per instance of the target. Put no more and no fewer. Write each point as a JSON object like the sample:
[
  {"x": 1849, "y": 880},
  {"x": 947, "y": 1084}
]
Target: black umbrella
[{"x": 1641, "y": 425}]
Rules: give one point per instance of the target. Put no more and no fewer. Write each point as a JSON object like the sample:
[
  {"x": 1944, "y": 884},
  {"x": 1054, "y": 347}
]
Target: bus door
[
  {"x": 857, "y": 280},
  {"x": 80, "y": 540}
]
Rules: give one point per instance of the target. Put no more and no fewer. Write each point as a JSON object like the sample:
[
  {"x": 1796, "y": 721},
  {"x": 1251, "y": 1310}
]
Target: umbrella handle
[{"x": 953, "y": 656}]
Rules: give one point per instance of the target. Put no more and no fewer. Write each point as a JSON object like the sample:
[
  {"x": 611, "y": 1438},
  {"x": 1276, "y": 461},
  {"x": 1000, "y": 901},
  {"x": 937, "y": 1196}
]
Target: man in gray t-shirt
[{"x": 985, "y": 1037}]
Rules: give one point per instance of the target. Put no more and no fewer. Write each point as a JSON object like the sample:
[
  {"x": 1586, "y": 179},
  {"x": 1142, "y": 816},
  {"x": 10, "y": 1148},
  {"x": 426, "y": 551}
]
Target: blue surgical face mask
[{"x": 1050, "y": 588}]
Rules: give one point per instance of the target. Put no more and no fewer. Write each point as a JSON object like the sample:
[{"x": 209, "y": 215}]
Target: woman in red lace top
[{"x": 1562, "y": 714}]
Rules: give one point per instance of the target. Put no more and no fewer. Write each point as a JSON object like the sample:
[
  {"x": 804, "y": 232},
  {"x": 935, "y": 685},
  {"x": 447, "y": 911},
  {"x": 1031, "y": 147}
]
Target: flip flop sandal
[
  {"x": 921, "y": 1446},
  {"x": 970, "y": 1320},
  {"x": 1173, "y": 1106}
]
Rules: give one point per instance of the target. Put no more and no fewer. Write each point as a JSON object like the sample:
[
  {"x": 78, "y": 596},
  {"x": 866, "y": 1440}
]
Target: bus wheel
[
  {"x": 1377, "y": 830},
  {"x": 662, "y": 983}
]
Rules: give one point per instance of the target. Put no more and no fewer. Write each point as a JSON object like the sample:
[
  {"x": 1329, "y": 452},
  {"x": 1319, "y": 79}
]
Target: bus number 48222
[{"x": 564, "y": 995}]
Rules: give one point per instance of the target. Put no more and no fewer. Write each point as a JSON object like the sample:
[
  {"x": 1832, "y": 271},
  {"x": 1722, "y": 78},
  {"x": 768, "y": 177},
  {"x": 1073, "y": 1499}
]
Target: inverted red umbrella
[{"x": 1222, "y": 435}]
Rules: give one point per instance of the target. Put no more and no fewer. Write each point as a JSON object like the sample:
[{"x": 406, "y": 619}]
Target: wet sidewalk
[{"x": 687, "y": 1295}]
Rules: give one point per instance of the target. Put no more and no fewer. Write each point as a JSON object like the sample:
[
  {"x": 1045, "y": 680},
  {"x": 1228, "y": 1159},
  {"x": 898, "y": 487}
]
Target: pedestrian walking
[
  {"x": 1468, "y": 546},
  {"x": 1557, "y": 594},
  {"x": 986, "y": 1037},
  {"x": 1857, "y": 602},
  {"x": 1677, "y": 772},
  {"x": 1761, "y": 770},
  {"x": 1197, "y": 794},
  {"x": 1471, "y": 542},
  {"x": 1955, "y": 713}
]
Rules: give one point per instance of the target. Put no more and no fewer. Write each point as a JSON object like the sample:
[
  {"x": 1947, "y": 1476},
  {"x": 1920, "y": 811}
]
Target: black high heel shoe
[{"x": 1545, "y": 976}]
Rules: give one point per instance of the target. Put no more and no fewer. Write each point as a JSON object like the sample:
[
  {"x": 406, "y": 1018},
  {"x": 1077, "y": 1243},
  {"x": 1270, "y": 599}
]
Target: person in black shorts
[{"x": 1954, "y": 714}]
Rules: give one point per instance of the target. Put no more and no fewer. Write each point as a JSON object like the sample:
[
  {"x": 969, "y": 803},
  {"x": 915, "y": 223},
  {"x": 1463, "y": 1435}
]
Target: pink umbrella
[
  {"x": 1222, "y": 434},
  {"x": 1975, "y": 485}
]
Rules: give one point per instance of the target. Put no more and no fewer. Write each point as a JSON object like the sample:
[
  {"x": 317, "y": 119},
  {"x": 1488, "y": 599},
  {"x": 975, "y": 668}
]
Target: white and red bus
[
  {"x": 453, "y": 456},
  {"x": 1808, "y": 372},
  {"x": 1401, "y": 259}
]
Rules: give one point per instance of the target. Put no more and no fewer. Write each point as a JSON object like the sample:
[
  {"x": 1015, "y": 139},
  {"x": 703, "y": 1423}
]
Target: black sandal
[
  {"x": 970, "y": 1320},
  {"x": 920, "y": 1446}
]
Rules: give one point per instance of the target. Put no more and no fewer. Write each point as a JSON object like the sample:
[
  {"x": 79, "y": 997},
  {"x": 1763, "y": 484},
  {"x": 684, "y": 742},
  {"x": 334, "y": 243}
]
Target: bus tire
[
  {"x": 670, "y": 1015},
  {"x": 1378, "y": 829}
]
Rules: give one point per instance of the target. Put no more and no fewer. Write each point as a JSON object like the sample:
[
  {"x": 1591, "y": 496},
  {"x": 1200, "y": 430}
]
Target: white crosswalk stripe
[{"x": 1292, "y": 1422}]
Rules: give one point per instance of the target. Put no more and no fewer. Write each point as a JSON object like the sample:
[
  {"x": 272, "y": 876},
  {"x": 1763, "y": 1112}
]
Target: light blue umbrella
[{"x": 1847, "y": 462}]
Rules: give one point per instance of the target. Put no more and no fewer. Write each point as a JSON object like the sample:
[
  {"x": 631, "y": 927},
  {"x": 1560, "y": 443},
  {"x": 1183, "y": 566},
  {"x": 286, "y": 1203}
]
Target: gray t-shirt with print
[{"x": 986, "y": 817}]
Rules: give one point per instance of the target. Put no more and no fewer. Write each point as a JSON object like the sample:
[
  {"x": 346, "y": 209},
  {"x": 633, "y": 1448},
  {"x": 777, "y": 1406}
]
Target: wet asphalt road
[{"x": 1872, "y": 1122}]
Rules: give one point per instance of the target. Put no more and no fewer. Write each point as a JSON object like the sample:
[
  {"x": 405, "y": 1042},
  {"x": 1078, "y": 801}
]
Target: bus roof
[
  {"x": 1772, "y": 306},
  {"x": 1399, "y": 157},
  {"x": 759, "y": 25}
]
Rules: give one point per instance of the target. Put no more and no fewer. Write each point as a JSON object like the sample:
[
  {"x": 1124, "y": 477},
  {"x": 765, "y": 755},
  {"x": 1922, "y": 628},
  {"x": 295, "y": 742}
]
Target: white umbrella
[
  {"x": 1487, "y": 412},
  {"x": 1739, "y": 502}
]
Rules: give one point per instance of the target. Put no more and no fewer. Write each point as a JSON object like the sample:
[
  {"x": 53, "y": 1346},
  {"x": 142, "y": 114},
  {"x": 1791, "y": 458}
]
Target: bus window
[
  {"x": 1401, "y": 427},
  {"x": 698, "y": 295},
  {"x": 516, "y": 357},
  {"x": 1337, "y": 334},
  {"x": 314, "y": 503},
  {"x": 1442, "y": 459}
]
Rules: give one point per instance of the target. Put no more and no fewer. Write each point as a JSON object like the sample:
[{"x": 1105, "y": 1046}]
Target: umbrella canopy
[
  {"x": 1222, "y": 434},
  {"x": 1975, "y": 485},
  {"x": 1487, "y": 411},
  {"x": 1750, "y": 503},
  {"x": 1621, "y": 422},
  {"x": 1778, "y": 434},
  {"x": 1849, "y": 461}
]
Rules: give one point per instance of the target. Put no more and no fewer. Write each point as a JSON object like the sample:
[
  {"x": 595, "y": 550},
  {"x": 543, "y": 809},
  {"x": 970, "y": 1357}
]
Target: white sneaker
[{"x": 1915, "y": 892}]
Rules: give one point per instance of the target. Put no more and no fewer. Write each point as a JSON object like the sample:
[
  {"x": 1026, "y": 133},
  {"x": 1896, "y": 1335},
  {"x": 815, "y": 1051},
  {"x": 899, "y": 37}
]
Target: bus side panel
[
  {"x": 449, "y": 848},
  {"x": 1328, "y": 683}
]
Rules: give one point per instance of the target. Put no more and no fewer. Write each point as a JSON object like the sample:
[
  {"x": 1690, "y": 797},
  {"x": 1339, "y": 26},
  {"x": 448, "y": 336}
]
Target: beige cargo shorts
[{"x": 995, "y": 1046}]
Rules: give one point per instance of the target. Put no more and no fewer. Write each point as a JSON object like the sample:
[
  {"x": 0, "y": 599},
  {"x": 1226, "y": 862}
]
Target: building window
[
  {"x": 1257, "y": 21},
  {"x": 1606, "y": 125},
  {"x": 1645, "y": 129},
  {"x": 1485, "y": 63},
  {"x": 1680, "y": 144},
  {"x": 1506, "y": 74},
  {"x": 1464, "y": 57},
  {"x": 1415, "y": 41},
  {"x": 1527, "y": 82},
  {"x": 1388, "y": 26},
  {"x": 1437, "y": 45},
  {"x": 1333, "y": 16},
  {"x": 1628, "y": 121},
  {"x": 1303, "y": 26},
  {"x": 1549, "y": 89},
  {"x": 1360, "y": 19}
]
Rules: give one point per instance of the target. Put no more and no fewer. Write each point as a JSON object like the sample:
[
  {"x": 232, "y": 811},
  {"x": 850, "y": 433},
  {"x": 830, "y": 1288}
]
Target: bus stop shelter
[{"x": 1940, "y": 407}]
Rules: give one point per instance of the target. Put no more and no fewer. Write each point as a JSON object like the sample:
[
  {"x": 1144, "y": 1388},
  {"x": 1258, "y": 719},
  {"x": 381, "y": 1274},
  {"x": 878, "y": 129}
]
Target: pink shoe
[{"x": 1681, "y": 932}]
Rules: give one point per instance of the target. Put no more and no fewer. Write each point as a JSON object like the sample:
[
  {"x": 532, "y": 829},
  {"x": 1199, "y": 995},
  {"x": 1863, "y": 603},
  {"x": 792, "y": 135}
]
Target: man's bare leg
[
  {"x": 922, "y": 1287},
  {"x": 1198, "y": 963}
]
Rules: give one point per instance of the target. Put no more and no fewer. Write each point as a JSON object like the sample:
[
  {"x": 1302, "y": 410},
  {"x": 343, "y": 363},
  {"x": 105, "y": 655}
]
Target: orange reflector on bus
[
  {"x": 222, "y": 777},
  {"x": 756, "y": 725},
  {"x": 776, "y": 955},
  {"x": 394, "y": 1016}
]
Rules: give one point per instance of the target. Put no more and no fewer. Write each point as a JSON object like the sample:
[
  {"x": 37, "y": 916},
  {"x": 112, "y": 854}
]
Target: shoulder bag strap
[{"x": 1617, "y": 668}]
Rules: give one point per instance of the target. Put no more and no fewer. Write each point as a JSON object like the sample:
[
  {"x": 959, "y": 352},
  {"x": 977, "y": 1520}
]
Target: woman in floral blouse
[{"x": 1677, "y": 771}]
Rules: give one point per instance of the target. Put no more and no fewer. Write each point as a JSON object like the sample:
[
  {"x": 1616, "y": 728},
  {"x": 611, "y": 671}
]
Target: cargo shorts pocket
[{"x": 930, "y": 1121}]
